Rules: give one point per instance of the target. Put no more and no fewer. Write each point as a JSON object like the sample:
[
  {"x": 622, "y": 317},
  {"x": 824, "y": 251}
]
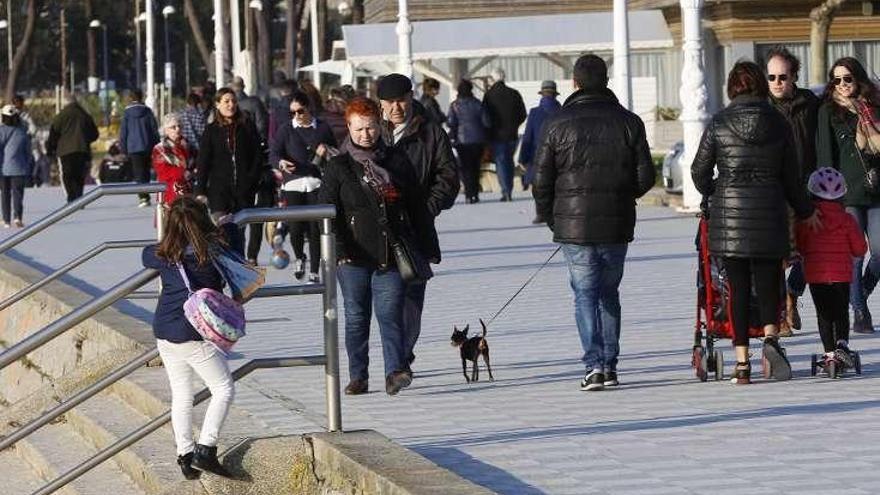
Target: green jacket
[
  {"x": 72, "y": 131},
  {"x": 835, "y": 147}
]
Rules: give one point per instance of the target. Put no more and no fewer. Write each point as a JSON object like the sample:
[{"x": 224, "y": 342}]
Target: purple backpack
[{"x": 218, "y": 318}]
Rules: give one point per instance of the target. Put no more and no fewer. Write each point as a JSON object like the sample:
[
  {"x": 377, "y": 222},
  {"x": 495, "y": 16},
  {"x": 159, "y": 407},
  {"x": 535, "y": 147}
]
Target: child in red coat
[{"x": 828, "y": 260}]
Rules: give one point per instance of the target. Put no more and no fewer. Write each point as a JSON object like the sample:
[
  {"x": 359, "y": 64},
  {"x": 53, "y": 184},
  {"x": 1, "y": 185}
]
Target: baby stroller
[{"x": 713, "y": 311}]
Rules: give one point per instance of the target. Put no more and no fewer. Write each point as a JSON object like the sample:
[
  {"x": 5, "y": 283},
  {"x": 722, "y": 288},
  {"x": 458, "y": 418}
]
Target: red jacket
[
  {"x": 171, "y": 161},
  {"x": 828, "y": 254}
]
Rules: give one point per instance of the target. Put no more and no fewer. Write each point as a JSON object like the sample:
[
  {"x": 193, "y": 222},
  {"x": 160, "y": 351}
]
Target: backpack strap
[{"x": 184, "y": 277}]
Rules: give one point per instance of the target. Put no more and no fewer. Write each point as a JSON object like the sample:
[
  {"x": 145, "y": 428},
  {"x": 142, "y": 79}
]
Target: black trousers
[
  {"x": 298, "y": 230},
  {"x": 140, "y": 166},
  {"x": 832, "y": 311},
  {"x": 469, "y": 156},
  {"x": 74, "y": 168},
  {"x": 12, "y": 194},
  {"x": 764, "y": 275},
  {"x": 265, "y": 199}
]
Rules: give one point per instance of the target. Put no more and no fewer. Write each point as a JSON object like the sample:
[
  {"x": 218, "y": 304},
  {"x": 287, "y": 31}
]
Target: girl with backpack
[{"x": 187, "y": 248}]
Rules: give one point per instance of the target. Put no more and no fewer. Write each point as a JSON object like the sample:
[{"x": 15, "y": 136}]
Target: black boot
[
  {"x": 869, "y": 282},
  {"x": 862, "y": 321},
  {"x": 205, "y": 458},
  {"x": 185, "y": 463}
]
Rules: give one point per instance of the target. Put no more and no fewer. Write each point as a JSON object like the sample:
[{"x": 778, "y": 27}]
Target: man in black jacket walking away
[
  {"x": 70, "y": 138},
  {"x": 586, "y": 189},
  {"x": 506, "y": 112},
  {"x": 800, "y": 107},
  {"x": 427, "y": 149}
]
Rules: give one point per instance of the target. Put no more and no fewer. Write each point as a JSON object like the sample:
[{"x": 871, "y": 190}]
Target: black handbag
[{"x": 871, "y": 165}]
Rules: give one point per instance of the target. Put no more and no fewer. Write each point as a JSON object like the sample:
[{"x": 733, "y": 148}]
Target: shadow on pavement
[{"x": 487, "y": 475}]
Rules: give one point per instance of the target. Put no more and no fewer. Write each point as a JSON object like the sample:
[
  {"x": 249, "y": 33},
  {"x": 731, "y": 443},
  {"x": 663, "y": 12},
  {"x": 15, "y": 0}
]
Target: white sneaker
[
  {"x": 299, "y": 268},
  {"x": 314, "y": 278},
  {"x": 143, "y": 203}
]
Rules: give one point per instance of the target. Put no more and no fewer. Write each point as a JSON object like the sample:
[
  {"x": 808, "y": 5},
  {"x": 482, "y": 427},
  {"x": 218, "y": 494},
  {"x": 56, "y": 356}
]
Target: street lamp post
[
  {"x": 150, "y": 55},
  {"x": 105, "y": 93},
  {"x": 4, "y": 24},
  {"x": 693, "y": 94},
  {"x": 169, "y": 67},
  {"x": 622, "y": 81},
  {"x": 138, "y": 19},
  {"x": 404, "y": 40}
]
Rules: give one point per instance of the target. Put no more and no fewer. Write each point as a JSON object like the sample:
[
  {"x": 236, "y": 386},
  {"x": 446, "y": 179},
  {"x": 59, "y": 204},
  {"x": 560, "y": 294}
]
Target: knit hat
[
  {"x": 8, "y": 111},
  {"x": 827, "y": 183},
  {"x": 393, "y": 86}
]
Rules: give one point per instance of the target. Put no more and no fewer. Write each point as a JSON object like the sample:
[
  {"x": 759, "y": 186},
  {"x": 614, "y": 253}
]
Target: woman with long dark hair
[
  {"x": 750, "y": 144},
  {"x": 848, "y": 139}
]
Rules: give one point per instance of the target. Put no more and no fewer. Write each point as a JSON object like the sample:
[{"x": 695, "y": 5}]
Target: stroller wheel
[
  {"x": 719, "y": 365},
  {"x": 813, "y": 365},
  {"x": 699, "y": 363},
  {"x": 857, "y": 363}
]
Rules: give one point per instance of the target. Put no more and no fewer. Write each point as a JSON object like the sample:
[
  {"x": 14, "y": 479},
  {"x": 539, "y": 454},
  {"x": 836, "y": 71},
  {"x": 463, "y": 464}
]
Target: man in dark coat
[
  {"x": 427, "y": 149},
  {"x": 138, "y": 133},
  {"x": 800, "y": 107},
  {"x": 546, "y": 107},
  {"x": 253, "y": 107},
  {"x": 506, "y": 112},
  {"x": 586, "y": 190},
  {"x": 70, "y": 138}
]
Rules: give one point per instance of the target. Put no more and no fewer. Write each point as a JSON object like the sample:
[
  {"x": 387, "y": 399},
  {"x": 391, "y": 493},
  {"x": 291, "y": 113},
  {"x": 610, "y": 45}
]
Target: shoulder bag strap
[
  {"x": 380, "y": 216},
  {"x": 184, "y": 277},
  {"x": 856, "y": 144}
]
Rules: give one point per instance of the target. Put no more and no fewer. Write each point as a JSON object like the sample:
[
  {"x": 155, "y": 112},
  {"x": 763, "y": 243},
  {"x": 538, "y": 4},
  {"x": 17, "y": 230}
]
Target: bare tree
[
  {"x": 290, "y": 36},
  {"x": 357, "y": 12},
  {"x": 22, "y": 49},
  {"x": 198, "y": 37},
  {"x": 821, "y": 18},
  {"x": 264, "y": 46},
  {"x": 90, "y": 41}
]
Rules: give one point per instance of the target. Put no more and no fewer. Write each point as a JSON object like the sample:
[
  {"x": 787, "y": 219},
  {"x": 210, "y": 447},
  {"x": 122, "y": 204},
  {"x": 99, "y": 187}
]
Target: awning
[{"x": 505, "y": 36}]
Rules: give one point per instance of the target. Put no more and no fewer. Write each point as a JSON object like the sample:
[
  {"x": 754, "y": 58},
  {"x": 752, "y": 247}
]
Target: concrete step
[
  {"x": 17, "y": 475},
  {"x": 151, "y": 462},
  {"x": 55, "y": 448}
]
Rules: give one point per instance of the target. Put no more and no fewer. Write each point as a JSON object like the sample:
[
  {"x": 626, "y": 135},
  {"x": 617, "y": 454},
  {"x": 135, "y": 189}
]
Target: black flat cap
[{"x": 393, "y": 86}]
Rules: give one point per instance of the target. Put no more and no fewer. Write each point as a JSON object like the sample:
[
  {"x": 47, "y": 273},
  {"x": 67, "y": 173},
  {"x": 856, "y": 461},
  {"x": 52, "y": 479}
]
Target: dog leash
[{"x": 524, "y": 286}]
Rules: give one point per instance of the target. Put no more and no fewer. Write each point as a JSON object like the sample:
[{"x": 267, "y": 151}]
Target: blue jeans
[
  {"x": 383, "y": 290},
  {"x": 596, "y": 271},
  {"x": 868, "y": 218},
  {"x": 413, "y": 303},
  {"x": 502, "y": 153}
]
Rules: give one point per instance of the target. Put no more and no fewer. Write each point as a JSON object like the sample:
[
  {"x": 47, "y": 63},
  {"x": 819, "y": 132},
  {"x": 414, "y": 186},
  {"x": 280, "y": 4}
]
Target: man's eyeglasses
[
  {"x": 301, "y": 111},
  {"x": 774, "y": 77},
  {"x": 847, "y": 79}
]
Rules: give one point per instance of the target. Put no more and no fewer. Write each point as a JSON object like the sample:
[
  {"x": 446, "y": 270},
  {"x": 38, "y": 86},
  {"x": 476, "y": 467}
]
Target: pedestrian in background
[
  {"x": 506, "y": 112},
  {"x": 800, "y": 107},
  {"x": 279, "y": 114},
  {"x": 172, "y": 160},
  {"x": 192, "y": 122},
  {"x": 587, "y": 195},
  {"x": 467, "y": 132},
  {"x": 847, "y": 138},
  {"x": 18, "y": 164},
  {"x": 334, "y": 110},
  {"x": 253, "y": 107},
  {"x": 70, "y": 138},
  {"x": 429, "y": 153},
  {"x": 138, "y": 133},
  {"x": 535, "y": 122},
  {"x": 750, "y": 145},
  {"x": 26, "y": 120},
  {"x": 430, "y": 90}
]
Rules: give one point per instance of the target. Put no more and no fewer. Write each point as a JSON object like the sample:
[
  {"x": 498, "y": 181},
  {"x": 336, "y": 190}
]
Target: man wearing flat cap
[{"x": 426, "y": 145}]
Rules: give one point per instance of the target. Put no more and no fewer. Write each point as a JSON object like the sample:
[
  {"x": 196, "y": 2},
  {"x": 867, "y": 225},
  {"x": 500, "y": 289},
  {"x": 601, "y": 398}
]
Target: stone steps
[{"x": 17, "y": 475}]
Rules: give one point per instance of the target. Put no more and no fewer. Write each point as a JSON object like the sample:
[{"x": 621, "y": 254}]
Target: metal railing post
[
  {"x": 72, "y": 207},
  {"x": 331, "y": 326}
]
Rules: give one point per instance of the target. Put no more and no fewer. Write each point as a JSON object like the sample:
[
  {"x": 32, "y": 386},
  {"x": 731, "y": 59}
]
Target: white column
[
  {"x": 694, "y": 95},
  {"x": 150, "y": 55},
  {"x": 219, "y": 45},
  {"x": 404, "y": 40},
  {"x": 316, "y": 42},
  {"x": 235, "y": 22},
  {"x": 622, "y": 81}
]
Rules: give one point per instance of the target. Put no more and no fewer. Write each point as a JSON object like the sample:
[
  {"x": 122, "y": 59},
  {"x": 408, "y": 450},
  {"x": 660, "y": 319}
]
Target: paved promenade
[{"x": 533, "y": 431}]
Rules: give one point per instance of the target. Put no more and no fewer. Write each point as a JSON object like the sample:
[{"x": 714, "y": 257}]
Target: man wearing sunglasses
[{"x": 800, "y": 108}]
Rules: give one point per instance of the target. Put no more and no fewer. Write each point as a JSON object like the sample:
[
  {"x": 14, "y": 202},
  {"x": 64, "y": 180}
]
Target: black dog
[{"x": 471, "y": 349}]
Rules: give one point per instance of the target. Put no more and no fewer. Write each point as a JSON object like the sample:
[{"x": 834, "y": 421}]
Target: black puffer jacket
[
  {"x": 359, "y": 239},
  {"x": 592, "y": 163},
  {"x": 750, "y": 143},
  {"x": 230, "y": 184},
  {"x": 506, "y": 111},
  {"x": 429, "y": 154},
  {"x": 801, "y": 112}
]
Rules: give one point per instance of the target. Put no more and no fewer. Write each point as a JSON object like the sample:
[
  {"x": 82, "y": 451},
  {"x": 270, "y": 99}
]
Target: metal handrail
[
  {"x": 91, "y": 253},
  {"x": 76, "y": 205},
  {"x": 133, "y": 437},
  {"x": 330, "y": 359}
]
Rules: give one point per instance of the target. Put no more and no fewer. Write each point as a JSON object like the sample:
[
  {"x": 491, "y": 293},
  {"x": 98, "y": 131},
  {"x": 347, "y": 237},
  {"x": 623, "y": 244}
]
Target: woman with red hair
[
  {"x": 750, "y": 144},
  {"x": 359, "y": 184}
]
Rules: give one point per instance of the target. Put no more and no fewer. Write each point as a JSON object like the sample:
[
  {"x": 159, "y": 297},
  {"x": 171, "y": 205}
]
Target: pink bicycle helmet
[{"x": 827, "y": 183}]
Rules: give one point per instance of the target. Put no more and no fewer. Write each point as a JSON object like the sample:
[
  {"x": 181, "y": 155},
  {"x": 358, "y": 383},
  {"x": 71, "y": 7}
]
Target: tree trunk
[
  {"x": 198, "y": 37},
  {"x": 22, "y": 49},
  {"x": 290, "y": 36},
  {"x": 62, "y": 80},
  {"x": 90, "y": 41},
  {"x": 820, "y": 23},
  {"x": 264, "y": 46},
  {"x": 357, "y": 12}
]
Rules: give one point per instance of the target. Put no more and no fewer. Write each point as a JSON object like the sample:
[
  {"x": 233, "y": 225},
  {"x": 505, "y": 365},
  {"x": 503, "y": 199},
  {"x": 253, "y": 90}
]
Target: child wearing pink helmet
[{"x": 828, "y": 259}]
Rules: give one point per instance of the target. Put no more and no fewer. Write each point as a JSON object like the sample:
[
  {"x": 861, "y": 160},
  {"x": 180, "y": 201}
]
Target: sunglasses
[
  {"x": 301, "y": 111},
  {"x": 774, "y": 77},
  {"x": 847, "y": 79}
]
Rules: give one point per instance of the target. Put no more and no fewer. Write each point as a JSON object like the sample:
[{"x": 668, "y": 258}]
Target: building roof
[{"x": 474, "y": 38}]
